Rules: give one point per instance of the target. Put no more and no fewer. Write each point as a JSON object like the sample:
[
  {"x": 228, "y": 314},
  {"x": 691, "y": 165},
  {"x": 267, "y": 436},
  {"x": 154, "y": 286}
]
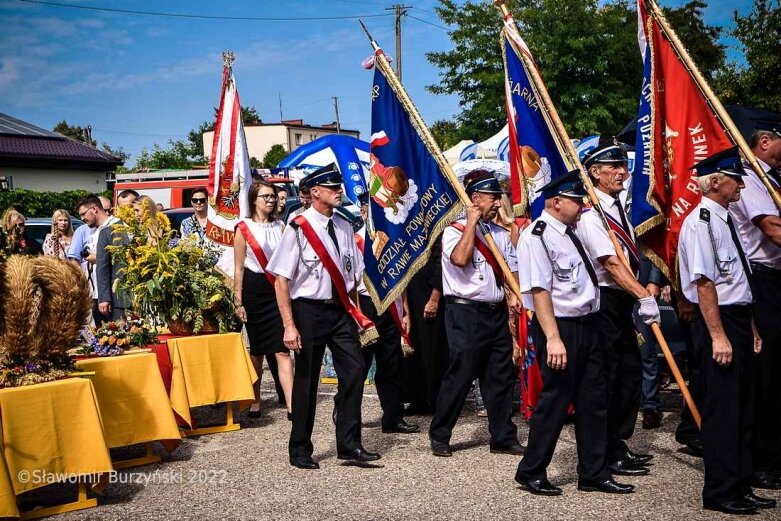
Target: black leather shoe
[
  {"x": 733, "y": 506},
  {"x": 304, "y": 462},
  {"x": 441, "y": 449},
  {"x": 607, "y": 486},
  {"x": 623, "y": 467},
  {"x": 693, "y": 446},
  {"x": 636, "y": 458},
  {"x": 652, "y": 419},
  {"x": 540, "y": 487},
  {"x": 515, "y": 449},
  {"x": 401, "y": 427},
  {"x": 759, "y": 502},
  {"x": 360, "y": 455},
  {"x": 766, "y": 480}
]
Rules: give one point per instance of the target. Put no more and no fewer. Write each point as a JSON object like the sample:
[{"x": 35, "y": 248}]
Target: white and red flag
[{"x": 229, "y": 172}]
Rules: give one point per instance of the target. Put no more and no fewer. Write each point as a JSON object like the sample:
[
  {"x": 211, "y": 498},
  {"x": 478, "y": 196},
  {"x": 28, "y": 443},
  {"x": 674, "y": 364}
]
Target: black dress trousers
[
  {"x": 624, "y": 368},
  {"x": 582, "y": 383},
  {"x": 320, "y": 325},
  {"x": 480, "y": 347},
  {"x": 387, "y": 352},
  {"x": 727, "y": 414},
  {"x": 767, "y": 370}
]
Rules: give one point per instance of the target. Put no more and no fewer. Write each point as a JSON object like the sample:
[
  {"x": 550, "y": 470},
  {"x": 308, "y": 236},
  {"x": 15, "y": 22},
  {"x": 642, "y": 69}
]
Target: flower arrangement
[
  {"x": 19, "y": 372},
  {"x": 172, "y": 281},
  {"x": 113, "y": 338}
]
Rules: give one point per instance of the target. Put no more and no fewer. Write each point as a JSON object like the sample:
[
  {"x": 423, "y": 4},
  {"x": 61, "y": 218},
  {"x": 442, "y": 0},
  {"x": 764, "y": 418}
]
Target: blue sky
[{"x": 140, "y": 80}]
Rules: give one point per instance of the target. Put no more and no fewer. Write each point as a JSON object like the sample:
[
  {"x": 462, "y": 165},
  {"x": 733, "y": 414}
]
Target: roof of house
[{"x": 25, "y": 145}]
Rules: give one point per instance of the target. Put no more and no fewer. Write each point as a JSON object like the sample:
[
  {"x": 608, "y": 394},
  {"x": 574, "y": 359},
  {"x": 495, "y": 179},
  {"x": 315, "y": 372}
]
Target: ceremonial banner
[
  {"x": 229, "y": 171},
  {"x": 675, "y": 130},
  {"x": 534, "y": 156},
  {"x": 411, "y": 200}
]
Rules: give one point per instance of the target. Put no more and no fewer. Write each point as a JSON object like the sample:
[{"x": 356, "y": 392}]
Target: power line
[
  {"x": 429, "y": 23},
  {"x": 203, "y": 16}
]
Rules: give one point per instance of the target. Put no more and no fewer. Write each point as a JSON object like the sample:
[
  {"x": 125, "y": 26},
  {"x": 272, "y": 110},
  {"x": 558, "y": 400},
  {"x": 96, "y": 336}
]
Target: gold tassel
[
  {"x": 406, "y": 349},
  {"x": 368, "y": 336}
]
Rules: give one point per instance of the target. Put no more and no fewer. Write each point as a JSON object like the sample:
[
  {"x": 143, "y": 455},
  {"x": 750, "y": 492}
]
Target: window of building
[
  {"x": 312, "y": 137},
  {"x": 298, "y": 139}
]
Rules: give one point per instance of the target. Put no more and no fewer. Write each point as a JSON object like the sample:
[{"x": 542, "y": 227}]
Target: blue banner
[
  {"x": 411, "y": 200},
  {"x": 540, "y": 158},
  {"x": 641, "y": 209}
]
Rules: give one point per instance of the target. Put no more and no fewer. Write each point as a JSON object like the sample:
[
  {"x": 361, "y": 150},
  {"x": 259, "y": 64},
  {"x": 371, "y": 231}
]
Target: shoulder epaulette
[
  {"x": 705, "y": 215},
  {"x": 539, "y": 228},
  {"x": 339, "y": 214}
]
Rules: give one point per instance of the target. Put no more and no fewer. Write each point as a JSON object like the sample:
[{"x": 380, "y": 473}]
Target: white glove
[{"x": 649, "y": 310}]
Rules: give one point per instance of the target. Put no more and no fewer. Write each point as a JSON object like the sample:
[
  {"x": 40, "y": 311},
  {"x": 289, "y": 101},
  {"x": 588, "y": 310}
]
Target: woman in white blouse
[
  {"x": 255, "y": 240},
  {"x": 57, "y": 242}
]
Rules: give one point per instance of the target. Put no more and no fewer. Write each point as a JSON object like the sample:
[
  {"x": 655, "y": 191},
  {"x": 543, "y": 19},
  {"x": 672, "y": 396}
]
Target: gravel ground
[{"x": 245, "y": 475}]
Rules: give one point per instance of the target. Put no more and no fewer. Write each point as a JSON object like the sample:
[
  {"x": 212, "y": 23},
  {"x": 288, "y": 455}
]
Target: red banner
[{"x": 683, "y": 132}]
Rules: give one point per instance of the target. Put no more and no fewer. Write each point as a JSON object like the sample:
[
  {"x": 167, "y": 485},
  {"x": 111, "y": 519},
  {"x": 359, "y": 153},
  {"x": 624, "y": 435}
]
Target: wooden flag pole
[
  {"x": 381, "y": 61},
  {"x": 713, "y": 101},
  {"x": 571, "y": 157}
]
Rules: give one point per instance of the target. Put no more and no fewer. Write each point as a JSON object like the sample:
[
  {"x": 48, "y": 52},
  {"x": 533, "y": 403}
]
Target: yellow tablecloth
[
  {"x": 132, "y": 398},
  {"x": 209, "y": 369},
  {"x": 48, "y": 430}
]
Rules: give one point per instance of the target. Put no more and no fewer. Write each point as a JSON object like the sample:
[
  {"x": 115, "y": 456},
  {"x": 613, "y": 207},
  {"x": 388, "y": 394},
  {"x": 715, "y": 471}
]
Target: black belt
[
  {"x": 761, "y": 268},
  {"x": 320, "y": 302},
  {"x": 477, "y": 303}
]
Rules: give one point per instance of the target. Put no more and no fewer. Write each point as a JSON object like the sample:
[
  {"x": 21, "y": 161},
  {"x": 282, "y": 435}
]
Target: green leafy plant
[{"x": 169, "y": 280}]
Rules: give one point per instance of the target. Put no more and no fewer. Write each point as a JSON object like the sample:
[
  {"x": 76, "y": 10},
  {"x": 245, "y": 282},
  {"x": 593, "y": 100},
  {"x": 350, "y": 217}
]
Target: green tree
[
  {"x": 177, "y": 155},
  {"x": 446, "y": 133},
  {"x": 751, "y": 82},
  {"x": 587, "y": 53},
  {"x": 249, "y": 115},
  {"x": 272, "y": 158},
  {"x": 74, "y": 132}
]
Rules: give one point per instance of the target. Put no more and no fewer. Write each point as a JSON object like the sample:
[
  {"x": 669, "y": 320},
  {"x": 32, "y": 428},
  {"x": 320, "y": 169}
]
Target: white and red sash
[
  {"x": 337, "y": 279},
  {"x": 256, "y": 249},
  {"x": 397, "y": 308},
  {"x": 485, "y": 251},
  {"x": 625, "y": 239}
]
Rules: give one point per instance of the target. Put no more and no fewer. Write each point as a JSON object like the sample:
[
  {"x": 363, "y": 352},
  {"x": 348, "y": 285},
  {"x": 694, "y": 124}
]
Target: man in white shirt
[
  {"x": 715, "y": 276},
  {"x": 758, "y": 224},
  {"x": 560, "y": 285},
  {"x": 315, "y": 315},
  {"x": 618, "y": 290},
  {"x": 476, "y": 320}
]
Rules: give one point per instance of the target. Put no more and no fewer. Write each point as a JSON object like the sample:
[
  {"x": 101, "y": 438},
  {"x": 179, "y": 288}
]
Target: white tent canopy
[{"x": 453, "y": 154}]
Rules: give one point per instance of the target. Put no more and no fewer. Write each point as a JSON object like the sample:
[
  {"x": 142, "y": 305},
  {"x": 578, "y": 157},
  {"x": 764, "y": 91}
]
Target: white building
[{"x": 291, "y": 134}]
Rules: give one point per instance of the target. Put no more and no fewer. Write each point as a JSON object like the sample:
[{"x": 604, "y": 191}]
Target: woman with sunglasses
[
  {"x": 256, "y": 238},
  {"x": 13, "y": 235},
  {"x": 196, "y": 224}
]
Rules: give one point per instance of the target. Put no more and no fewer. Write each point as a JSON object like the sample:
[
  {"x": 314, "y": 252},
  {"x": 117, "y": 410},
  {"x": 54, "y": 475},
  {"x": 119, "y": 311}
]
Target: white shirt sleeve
[
  {"x": 535, "y": 268},
  {"x": 593, "y": 235},
  {"x": 284, "y": 260},
  {"x": 754, "y": 199},
  {"x": 509, "y": 253},
  {"x": 450, "y": 237},
  {"x": 701, "y": 260}
]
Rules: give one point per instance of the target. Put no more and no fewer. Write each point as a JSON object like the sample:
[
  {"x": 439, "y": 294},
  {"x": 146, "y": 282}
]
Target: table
[
  {"x": 210, "y": 369},
  {"x": 49, "y": 430},
  {"x": 133, "y": 403}
]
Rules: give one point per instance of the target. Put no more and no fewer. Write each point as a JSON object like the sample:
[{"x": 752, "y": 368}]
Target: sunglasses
[
  {"x": 268, "y": 197},
  {"x": 198, "y": 200},
  {"x": 82, "y": 214}
]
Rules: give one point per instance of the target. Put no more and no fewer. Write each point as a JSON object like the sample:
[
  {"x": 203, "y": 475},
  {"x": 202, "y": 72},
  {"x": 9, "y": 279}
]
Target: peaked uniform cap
[
  {"x": 326, "y": 176},
  {"x": 726, "y": 162},
  {"x": 482, "y": 181},
  {"x": 569, "y": 185},
  {"x": 607, "y": 151}
]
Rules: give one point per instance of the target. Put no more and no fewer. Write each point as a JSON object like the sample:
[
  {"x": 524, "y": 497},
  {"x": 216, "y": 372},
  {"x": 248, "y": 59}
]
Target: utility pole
[
  {"x": 336, "y": 109},
  {"x": 399, "y": 11},
  {"x": 280, "y": 108}
]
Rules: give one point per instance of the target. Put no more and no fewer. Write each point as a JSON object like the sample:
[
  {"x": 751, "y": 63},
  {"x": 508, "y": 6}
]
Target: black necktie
[
  {"x": 582, "y": 252},
  {"x": 332, "y": 234},
  {"x": 736, "y": 241},
  {"x": 625, "y": 225}
]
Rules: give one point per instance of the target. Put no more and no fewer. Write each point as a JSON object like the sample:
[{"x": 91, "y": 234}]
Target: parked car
[
  {"x": 38, "y": 227},
  {"x": 177, "y": 215}
]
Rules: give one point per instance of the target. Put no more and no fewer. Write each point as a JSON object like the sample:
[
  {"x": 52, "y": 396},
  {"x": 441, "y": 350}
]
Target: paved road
[{"x": 246, "y": 475}]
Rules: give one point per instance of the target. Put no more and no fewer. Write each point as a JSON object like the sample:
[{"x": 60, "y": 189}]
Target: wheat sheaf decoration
[{"x": 45, "y": 302}]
